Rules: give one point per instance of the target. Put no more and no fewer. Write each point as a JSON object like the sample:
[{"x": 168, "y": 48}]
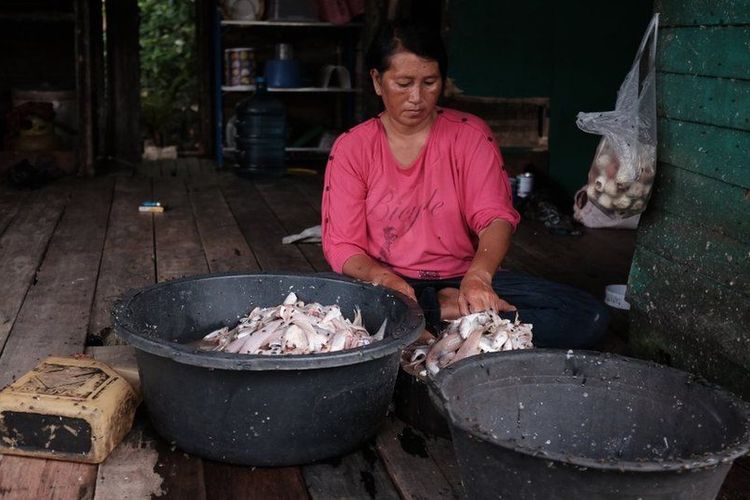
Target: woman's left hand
[{"x": 476, "y": 294}]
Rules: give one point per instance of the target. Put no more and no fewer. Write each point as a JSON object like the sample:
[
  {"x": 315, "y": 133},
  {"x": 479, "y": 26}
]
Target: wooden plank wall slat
[
  {"x": 128, "y": 256},
  {"x": 703, "y": 12},
  {"x": 61, "y": 298},
  {"x": 715, "y": 152},
  {"x": 688, "y": 284},
  {"x": 714, "y": 51},
  {"x": 22, "y": 247},
  {"x": 705, "y": 251},
  {"x": 692, "y": 306},
  {"x": 702, "y": 200},
  {"x": 715, "y": 101}
]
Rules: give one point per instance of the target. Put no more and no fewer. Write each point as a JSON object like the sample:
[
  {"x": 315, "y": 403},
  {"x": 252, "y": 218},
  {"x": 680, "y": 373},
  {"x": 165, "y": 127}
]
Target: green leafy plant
[{"x": 168, "y": 69}]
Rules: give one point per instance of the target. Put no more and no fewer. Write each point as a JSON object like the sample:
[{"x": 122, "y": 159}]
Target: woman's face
[{"x": 410, "y": 88}]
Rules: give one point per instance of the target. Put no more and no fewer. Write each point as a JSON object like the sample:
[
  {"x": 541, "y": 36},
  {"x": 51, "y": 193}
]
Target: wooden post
[
  {"x": 98, "y": 105},
  {"x": 84, "y": 91},
  {"x": 124, "y": 73},
  {"x": 203, "y": 27}
]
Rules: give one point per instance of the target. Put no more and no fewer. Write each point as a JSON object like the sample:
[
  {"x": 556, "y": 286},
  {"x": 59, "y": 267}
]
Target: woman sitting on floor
[{"x": 417, "y": 199}]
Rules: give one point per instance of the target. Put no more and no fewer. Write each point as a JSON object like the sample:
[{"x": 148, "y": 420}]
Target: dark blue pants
[{"x": 563, "y": 317}]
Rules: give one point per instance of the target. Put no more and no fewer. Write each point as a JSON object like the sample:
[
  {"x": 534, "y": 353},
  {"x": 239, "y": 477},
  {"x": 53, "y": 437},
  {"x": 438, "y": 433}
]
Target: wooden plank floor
[{"x": 69, "y": 249}]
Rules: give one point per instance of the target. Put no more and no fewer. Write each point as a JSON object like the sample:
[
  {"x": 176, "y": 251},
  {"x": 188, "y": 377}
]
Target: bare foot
[{"x": 448, "y": 299}]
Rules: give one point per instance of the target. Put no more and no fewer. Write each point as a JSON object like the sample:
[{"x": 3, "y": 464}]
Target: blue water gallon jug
[{"x": 261, "y": 134}]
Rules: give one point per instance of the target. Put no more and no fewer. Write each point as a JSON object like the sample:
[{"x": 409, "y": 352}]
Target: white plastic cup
[{"x": 614, "y": 296}]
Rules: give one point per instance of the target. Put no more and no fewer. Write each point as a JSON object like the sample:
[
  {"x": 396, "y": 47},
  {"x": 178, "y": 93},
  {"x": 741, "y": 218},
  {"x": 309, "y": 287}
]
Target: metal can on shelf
[
  {"x": 525, "y": 184},
  {"x": 239, "y": 66}
]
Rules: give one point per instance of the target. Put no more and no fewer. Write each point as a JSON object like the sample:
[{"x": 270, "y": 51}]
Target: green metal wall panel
[
  {"x": 703, "y": 12},
  {"x": 717, "y": 152},
  {"x": 715, "y": 51}
]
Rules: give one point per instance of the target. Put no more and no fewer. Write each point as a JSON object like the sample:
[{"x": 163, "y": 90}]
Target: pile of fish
[
  {"x": 468, "y": 336},
  {"x": 292, "y": 328}
]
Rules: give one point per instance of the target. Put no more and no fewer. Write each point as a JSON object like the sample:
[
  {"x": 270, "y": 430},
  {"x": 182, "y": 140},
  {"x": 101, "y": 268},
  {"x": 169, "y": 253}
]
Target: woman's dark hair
[{"x": 406, "y": 36}]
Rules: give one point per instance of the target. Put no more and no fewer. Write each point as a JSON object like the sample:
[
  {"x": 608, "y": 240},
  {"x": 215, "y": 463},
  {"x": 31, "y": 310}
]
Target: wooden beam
[
  {"x": 123, "y": 65},
  {"x": 203, "y": 16},
  {"x": 98, "y": 94},
  {"x": 84, "y": 87}
]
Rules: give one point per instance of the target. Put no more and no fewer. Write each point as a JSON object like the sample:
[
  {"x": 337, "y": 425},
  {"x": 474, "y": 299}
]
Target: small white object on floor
[
  {"x": 614, "y": 296},
  {"x": 309, "y": 235}
]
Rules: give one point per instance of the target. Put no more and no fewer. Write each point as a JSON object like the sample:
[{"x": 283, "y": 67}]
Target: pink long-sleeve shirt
[{"x": 421, "y": 221}]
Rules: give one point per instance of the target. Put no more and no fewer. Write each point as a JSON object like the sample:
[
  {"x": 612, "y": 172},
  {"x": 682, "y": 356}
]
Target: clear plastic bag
[{"x": 622, "y": 173}]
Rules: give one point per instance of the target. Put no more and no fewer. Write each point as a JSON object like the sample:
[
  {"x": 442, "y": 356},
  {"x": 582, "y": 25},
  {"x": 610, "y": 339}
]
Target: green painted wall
[
  {"x": 689, "y": 286},
  {"x": 501, "y": 49},
  {"x": 574, "y": 52}
]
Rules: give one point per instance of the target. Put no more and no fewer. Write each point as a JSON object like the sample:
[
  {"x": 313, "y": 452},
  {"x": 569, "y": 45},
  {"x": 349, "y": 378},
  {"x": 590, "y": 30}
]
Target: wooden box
[{"x": 66, "y": 409}]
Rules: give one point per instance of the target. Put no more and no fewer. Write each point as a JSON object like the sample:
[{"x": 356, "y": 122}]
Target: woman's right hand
[
  {"x": 362, "y": 267},
  {"x": 396, "y": 282}
]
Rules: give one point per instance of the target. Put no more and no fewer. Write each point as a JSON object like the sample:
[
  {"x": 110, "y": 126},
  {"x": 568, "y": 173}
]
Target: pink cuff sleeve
[
  {"x": 338, "y": 254},
  {"x": 487, "y": 189}
]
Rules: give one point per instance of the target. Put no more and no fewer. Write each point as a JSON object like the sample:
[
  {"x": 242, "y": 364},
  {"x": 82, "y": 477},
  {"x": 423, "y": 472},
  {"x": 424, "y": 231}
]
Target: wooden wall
[{"x": 690, "y": 279}]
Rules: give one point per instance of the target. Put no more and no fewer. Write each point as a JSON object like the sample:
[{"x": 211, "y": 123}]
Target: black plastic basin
[
  {"x": 262, "y": 410},
  {"x": 551, "y": 424}
]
